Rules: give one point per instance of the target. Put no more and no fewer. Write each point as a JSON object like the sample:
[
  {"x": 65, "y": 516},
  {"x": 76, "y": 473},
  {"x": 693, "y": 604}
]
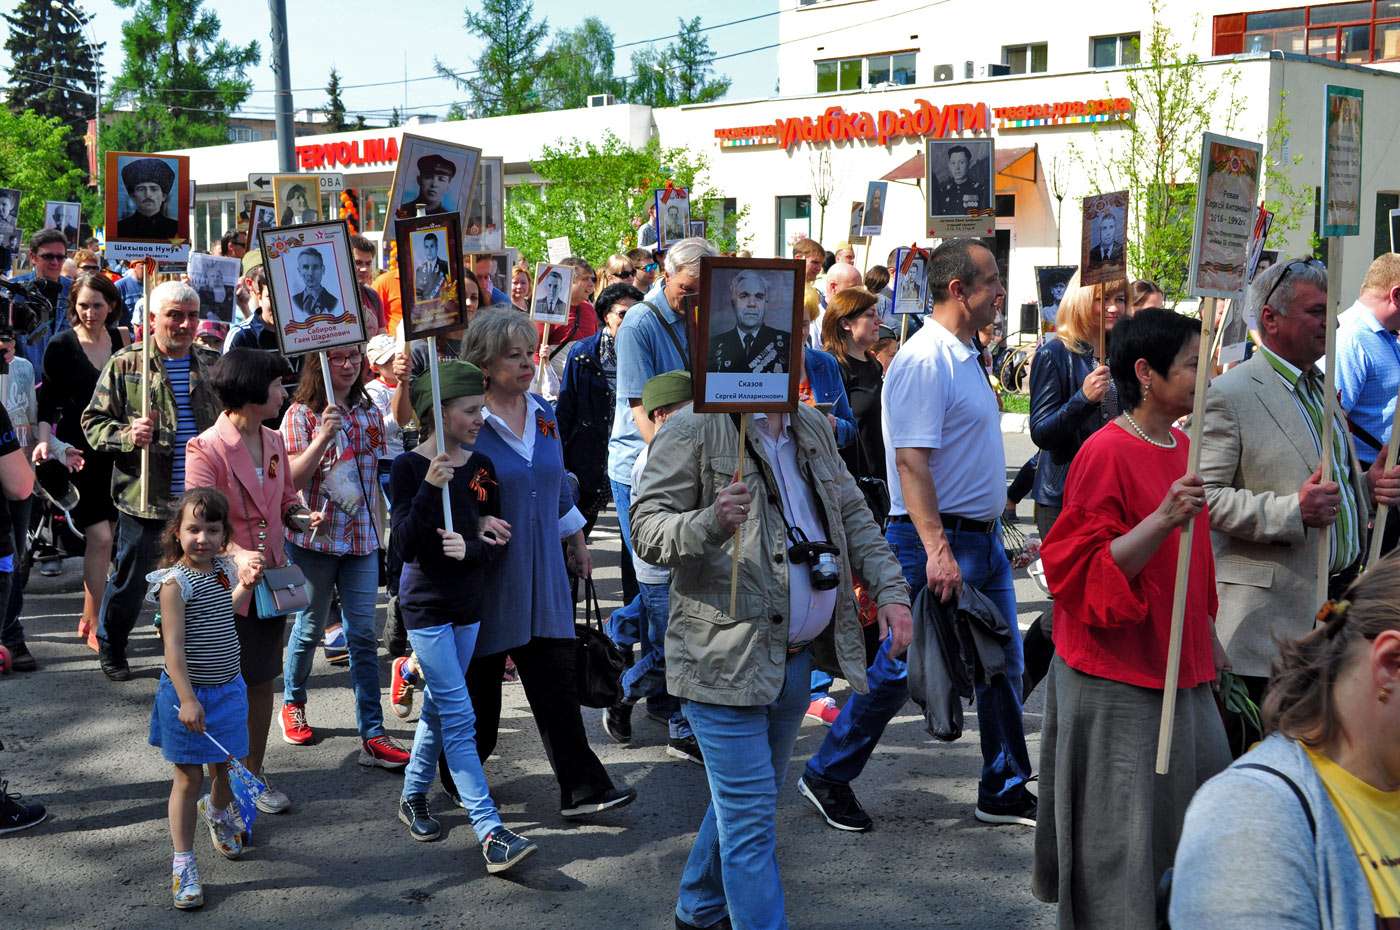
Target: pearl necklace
[{"x": 1143, "y": 433}]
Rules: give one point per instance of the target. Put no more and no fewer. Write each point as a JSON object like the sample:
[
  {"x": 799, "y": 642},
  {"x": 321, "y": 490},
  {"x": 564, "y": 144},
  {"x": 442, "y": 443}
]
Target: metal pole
[{"x": 282, "y": 71}]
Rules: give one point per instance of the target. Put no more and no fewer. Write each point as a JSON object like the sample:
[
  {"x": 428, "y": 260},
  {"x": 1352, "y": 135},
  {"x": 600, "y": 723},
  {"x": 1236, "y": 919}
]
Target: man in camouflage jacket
[{"x": 113, "y": 423}]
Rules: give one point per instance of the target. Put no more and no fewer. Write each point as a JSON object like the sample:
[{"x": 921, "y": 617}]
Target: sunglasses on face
[
  {"x": 625, "y": 274},
  {"x": 1291, "y": 265},
  {"x": 650, "y": 266},
  {"x": 87, "y": 268},
  {"x": 51, "y": 256}
]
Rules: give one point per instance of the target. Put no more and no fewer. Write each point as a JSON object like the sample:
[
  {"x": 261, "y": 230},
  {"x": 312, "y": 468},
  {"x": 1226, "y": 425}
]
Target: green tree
[
  {"x": 34, "y": 158},
  {"x": 334, "y": 109},
  {"x": 595, "y": 192},
  {"x": 503, "y": 83},
  {"x": 396, "y": 118},
  {"x": 578, "y": 62},
  {"x": 682, "y": 73},
  {"x": 53, "y": 72},
  {"x": 180, "y": 79}
]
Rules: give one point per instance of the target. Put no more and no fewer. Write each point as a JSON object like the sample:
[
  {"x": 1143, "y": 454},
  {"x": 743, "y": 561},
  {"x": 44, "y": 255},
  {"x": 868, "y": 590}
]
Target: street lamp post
[{"x": 97, "y": 68}]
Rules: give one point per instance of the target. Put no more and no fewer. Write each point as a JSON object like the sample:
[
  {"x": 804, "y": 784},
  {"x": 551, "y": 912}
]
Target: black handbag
[
  {"x": 600, "y": 663},
  {"x": 877, "y": 497}
]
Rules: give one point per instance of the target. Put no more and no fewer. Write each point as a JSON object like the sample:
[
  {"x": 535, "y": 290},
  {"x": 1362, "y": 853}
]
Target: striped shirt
[
  {"x": 177, "y": 372},
  {"x": 211, "y": 639},
  {"x": 1307, "y": 391}
]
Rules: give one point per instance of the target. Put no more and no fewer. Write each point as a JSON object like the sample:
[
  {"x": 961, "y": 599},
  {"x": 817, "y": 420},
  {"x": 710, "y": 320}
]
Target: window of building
[
  {"x": 1113, "y": 51},
  {"x": 1005, "y": 205},
  {"x": 1026, "y": 59},
  {"x": 1357, "y": 33},
  {"x": 840, "y": 74},
  {"x": 243, "y": 134},
  {"x": 374, "y": 205},
  {"x": 1385, "y": 202},
  {"x": 793, "y": 221}
]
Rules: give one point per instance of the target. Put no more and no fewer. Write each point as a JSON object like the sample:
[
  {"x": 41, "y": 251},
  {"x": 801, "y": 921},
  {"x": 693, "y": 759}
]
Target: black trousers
[{"x": 547, "y": 672}]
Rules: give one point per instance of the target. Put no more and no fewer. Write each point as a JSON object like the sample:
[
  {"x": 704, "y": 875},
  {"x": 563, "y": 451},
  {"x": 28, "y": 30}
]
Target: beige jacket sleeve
[
  {"x": 1255, "y": 516},
  {"x": 673, "y": 519}
]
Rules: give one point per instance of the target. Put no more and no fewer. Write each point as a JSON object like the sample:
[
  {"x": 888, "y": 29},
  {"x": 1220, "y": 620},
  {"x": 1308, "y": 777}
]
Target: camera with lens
[{"x": 823, "y": 560}]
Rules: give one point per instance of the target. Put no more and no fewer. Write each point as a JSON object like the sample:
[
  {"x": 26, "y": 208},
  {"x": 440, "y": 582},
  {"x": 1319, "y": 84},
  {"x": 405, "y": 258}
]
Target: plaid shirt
[{"x": 342, "y": 533}]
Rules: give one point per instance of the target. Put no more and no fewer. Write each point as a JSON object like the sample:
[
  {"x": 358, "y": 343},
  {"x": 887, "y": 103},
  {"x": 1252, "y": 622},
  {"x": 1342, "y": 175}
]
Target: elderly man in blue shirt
[{"x": 1368, "y": 365}]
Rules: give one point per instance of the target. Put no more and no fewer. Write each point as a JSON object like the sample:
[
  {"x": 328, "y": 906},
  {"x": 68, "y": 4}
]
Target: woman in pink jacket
[{"x": 248, "y": 463}]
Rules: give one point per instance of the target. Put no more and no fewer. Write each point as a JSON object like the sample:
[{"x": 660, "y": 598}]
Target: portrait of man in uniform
[
  {"x": 314, "y": 297},
  {"x": 670, "y": 216},
  {"x": 9, "y": 210},
  {"x": 434, "y": 187},
  {"x": 63, "y": 216},
  {"x": 1051, "y": 285},
  {"x": 214, "y": 277},
  {"x": 435, "y": 177},
  {"x": 148, "y": 183},
  {"x": 960, "y": 177},
  {"x": 751, "y": 345},
  {"x": 430, "y": 272},
  {"x": 873, "y": 210},
  {"x": 1104, "y": 238}
]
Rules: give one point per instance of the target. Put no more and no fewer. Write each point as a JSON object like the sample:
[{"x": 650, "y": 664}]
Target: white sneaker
[
  {"x": 272, "y": 801},
  {"x": 186, "y": 891}
]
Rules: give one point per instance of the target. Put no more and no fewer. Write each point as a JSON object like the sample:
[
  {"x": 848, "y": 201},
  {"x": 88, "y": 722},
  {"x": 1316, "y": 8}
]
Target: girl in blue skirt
[{"x": 200, "y": 689}]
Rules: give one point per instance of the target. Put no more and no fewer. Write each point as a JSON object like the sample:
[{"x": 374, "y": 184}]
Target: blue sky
[{"x": 375, "y": 42}]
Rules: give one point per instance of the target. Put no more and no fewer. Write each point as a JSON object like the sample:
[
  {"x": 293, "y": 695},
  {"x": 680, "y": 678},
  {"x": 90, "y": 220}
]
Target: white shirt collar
[
  {"x": 524, "y": 446},
  {"x": 961, "y": 350}
]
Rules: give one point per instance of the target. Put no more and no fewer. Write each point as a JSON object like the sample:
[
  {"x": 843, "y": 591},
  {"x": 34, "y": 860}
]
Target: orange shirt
[{"x": 390, "y": 298}]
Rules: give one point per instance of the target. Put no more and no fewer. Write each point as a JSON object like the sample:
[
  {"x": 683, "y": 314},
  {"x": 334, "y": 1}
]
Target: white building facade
[{"x": 863, "y": 83}]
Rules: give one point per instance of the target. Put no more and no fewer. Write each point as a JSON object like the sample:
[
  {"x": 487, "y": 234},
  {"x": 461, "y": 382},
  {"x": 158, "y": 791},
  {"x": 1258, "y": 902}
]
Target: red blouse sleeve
[{"x": 1084, "y": 578}]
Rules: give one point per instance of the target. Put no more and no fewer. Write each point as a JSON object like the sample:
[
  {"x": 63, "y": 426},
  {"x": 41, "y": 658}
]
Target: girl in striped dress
[{"x": 200, "y": 689}]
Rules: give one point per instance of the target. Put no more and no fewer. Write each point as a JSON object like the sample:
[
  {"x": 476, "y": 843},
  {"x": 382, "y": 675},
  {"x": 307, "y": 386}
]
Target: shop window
[
  {"x": 1385, "y": 202},
  {"x": 374, "y": 204},
  {"x": 1026, "y": 59},
  {"x": 1113, "y": 51},
  {"x": 1006, "y": 205},
  {"x": 793, "y": 220},
  {"x": 1357, "y": 33}
]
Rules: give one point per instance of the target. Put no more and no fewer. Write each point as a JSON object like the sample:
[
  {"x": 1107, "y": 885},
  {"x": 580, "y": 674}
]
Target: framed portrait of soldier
[
  {"x": 909, "y": 280},
  {"x": 146, "y": 202},
  {"x": 747, "y": 351},
  {"x": 262, "y": 214},
  {"x": 432, "y": 300},
  {"x": 550, "y": 302},
  {"x": 873, "y": 209},
  {"x": 63, "y": 216},
  {"x": 697, "y": 228},
  {"x": 855, "y": 237},
  {"x": 1104, "y": 239},
  {"x": 485, "y": 229},
  {"x": 9, "y": 211},
  {"x": 961, "y": 187},
  {"x": 432, "y": 176},
  {"x": 315, "y": 296},
  {"x": 1051, "y": 284},
  {"x": 672, "y": 216},
  {"x": 296, "y": 199},
  {"x": 215, "y": 278}
]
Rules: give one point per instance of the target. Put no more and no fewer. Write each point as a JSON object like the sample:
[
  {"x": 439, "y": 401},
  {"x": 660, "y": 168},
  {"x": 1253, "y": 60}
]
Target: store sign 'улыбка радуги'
[{"x": 925, "y": 120}]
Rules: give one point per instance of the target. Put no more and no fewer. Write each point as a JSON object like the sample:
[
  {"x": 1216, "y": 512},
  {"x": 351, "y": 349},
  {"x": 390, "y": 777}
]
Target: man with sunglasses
[
  {"x": 1271, "y": 504},
  {"x": 47, "y": 250},
  {"x": 644, "y": 268}
]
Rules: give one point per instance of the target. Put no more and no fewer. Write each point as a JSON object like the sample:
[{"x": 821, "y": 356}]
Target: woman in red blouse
[{"x": 1108, "y": 826}]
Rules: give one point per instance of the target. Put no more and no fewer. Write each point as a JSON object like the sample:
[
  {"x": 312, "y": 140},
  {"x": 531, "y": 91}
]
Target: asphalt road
[{"x": 340, "y": 858}]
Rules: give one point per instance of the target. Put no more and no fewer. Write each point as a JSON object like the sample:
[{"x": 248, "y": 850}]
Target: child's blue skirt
[{"x": 225, "y": 718}]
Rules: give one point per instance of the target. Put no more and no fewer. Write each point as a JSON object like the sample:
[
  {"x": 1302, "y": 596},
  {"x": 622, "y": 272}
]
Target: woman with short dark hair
[
  {"x": 248, "y": 462},
  {"x": 1108, "y": 827},
  {"x": 1301, "y": 832}
]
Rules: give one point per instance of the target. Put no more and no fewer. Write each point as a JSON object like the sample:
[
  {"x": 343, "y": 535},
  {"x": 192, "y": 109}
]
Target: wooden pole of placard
[
  {"x": 903, "y": 328},
  {"x": 1183, "y": 552},
  {"x": 1383, "y": 512},
  {"x": 147, "y": 280},
  {"x": 438, "y": 426},
  {"x": 330, "y": 393},
  {"x": 1329, "y": 401},
  {"x": 738, "y": 533}
]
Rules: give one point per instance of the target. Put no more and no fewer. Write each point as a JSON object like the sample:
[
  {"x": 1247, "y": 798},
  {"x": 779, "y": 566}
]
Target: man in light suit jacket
[{"x": 1270, "y": 505}]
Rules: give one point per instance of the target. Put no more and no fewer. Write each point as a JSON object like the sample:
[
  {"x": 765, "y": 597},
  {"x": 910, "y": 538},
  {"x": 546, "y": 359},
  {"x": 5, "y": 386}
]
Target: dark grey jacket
[{"x": 956, "y": 645}]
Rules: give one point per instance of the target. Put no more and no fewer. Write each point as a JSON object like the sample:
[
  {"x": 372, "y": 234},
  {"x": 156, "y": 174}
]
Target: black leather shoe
[
  {"x": 113, "y": 663},
  {"x": 722, "y": 925},
  {"x": 21, "y": 659}
]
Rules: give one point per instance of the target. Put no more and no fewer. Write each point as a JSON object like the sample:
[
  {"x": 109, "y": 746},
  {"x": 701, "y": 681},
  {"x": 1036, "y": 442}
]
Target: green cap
[
  {"x": 251, "y": 259},
  {"x": 458, "y": 379},
  {"x": 666, "y": 389}
]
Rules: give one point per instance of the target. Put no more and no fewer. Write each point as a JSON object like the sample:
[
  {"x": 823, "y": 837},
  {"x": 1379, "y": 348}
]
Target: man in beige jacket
[
  {"x": 744, "y": 677},
  {"x": 1270, "y": 504}
]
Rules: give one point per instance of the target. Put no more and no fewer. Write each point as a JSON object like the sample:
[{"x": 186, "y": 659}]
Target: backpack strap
[
  {"x": 1302, "y": 799},
  {"x": 670, "y": 331}
]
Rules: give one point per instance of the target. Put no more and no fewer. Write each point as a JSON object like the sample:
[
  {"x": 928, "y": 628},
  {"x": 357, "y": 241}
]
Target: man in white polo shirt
[{"x": 947, "y": 477}]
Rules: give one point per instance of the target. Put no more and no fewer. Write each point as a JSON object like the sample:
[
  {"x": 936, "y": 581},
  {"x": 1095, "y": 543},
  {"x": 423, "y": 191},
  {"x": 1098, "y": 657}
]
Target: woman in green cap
[{"x": 440, "y": 595}]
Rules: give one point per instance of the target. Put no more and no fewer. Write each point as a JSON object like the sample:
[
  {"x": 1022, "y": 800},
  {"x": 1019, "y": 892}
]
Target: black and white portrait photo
[
  {"x": 485, "y": 229},
  {"x": 873, "y": 210},
  {"x": 262, "y": 214},
  {"x": 857, "y": 222},
  {"x": 749, "y": 325},
  {"x": 550, "y": 303},
  {"x": 64, "y": 217},
  {"x": 146, "y": 208},
  {"x": 672, "y": 207},
  {"x": 214, "y": 278},
  {"x": 1051, "y": 283},
  {"x": 315, "y": 297},
  {"x": 432, "y": 247},
  {"x": 909, "y": 280},
  {"x": 432, "y": 177},
  {"x": 297, "y": 199},
  {"x": 959, "y": 176},
  {"x": 1105, "y": 236},
  {"x": 9, "y": 210},
  {"x": 697, "y": 228}
]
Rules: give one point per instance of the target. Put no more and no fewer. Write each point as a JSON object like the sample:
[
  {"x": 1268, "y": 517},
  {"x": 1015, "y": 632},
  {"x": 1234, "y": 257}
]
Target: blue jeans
[
  {"x": 447, "y": 723},
  {"x": 622, "y": 500},
  {"x": 1005, "y": 762},
  {"x": 733, "y": 866},
  {"x": 356, "y": 578},
  {"x": 647, "y": 676},
  {"x": 137, "y": 549}
]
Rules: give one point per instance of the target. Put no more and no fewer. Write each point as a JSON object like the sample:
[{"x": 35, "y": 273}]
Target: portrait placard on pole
[
  {"x": 146, "y": 206},
  {"x": 672, "y": 222},
  {"x": 1341, "y": 161},
  {"x": 486, "y": 214},
  {"x": 1051, "y": 284},
  {"x": 873, "y": 209},
  {"x": 1104, "y": 239},
  {"x": 960, "y": 186},
  {"x": 315, "y": 295},
  {"x": 1226, "y": 210},
  {"x": 430, "y": 274},
  {"x": 431, "y": 176}
]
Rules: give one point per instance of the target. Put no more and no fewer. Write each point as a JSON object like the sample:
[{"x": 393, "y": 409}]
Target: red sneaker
[
  {"x": 401, "y": 687},
  {"x": 295, "y": 729},
  {"x": 824, "y": 710},
  {"x": 383, "y": 752}
]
